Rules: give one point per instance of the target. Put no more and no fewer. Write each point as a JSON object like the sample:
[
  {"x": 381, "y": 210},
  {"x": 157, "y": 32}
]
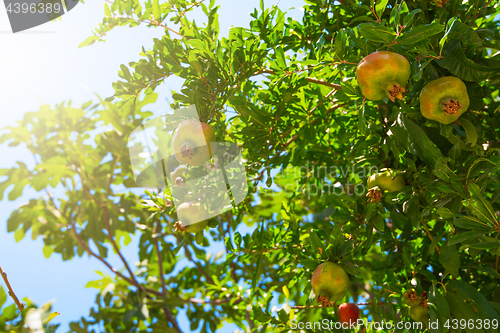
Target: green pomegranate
[
  {"x": 412, "y": 299},
  {"x": 177, "y": 176},
  {"x": 444, "y": 99},
  {"x": 420, "y": 313},
  {"x": 192, "y": 142},
  {"x": 382, "y": 75},
  {"x": 329, "y": 283},
  {"x": 193, "y": 216},
  {"x": 387, "y": 180}
]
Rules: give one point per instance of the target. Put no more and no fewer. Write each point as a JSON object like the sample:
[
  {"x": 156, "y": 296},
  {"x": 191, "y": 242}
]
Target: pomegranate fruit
[
  {"x": 177, "y": 176},
  {"x": 412, "y": 299},
  {"x": 444, "y": 100},
  {"x": 329, "y": 282},
  {"x": 382, "y": 75},
  {"x": 193, "y": 216},
  {"x": 348, "y": 313},
  {"x": 192, "y": 142},
  {"x": 420, "y": 313},
  {"x": 387, "y": 180}
]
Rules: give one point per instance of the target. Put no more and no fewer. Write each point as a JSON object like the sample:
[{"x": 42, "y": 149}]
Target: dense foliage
[{"x": 286, "y": 92}]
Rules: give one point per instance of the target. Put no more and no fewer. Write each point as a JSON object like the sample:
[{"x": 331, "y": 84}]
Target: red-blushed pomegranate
[
  {"x": 382, "y": 75},
  {"x": 329, "y": 282},
  {"x": 348, "y": 313}
]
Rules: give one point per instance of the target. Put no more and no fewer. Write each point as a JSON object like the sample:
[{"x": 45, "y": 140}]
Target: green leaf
[
  {"x": 107, "y": 11},
  {"x": 88, "y": 41},
  {"x": 47, "y": 251},
  {"x": 380, "y": 7},
  {"x": 3, "y": 297},
  {"x": 280, "y": 57},
  {"x": 470, "y": 130},
  {"x": 475, "y": 166},
  {"x": 439, "y": 308},
  {"x": 376, "y": 32},
  {"x": 415, "y": 141},
  {"x": 407, "y": 21},
  {"x": 445, "y": 213},
  {"x": 177, "y": 249},
  {"x": 460, "y": 237},
  {"x": 361, "y": 120},
  {"x": 483, "y": 208},
  {"x": 420, "y": 33},
  {"x": 455, "y": 60},
  {"x": 467, "y": 36},
  {"x": 157, "y": 10},
  {"x": 482, "y": 305},
  {"x": 461, "y": 310},
  {"x": 455, "y": 153},
  {"x": 469, "y": 222},
  {"x": 286, "y": 292},
  {"x": 254, "y": 277},
  {"x": 449, "y": 259},
  {"x": 485, "y": 246}
]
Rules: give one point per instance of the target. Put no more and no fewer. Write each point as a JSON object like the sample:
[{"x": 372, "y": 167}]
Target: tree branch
[
  {"x": 168, "y": 314},
  {"x": 149, "y": 21},
  {"x": 12, "y": 294},
  {"x": 198, "y": 266},
  {"x": 117, "y": 249}
]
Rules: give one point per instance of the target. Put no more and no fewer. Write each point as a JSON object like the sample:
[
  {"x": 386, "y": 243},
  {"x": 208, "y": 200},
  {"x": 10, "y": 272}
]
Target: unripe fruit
[
  {"x": 382, "y": 75},
  {"x": 177, "y": 176},
  {"x": 387, "y": 179},
  {"x": 193, "y": 216},
  {"x": 412, "y": 299},
  {"x": 444, "y": 99},
  {"x": 420, "y": 313},
  {"x": 329, "y": 283},
  {"x": 192, "y": 142},
  {"x": 348, "y": 313}
]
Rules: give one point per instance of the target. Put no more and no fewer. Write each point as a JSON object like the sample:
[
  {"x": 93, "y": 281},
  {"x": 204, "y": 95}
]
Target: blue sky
[{"x": 45, "y": 65}]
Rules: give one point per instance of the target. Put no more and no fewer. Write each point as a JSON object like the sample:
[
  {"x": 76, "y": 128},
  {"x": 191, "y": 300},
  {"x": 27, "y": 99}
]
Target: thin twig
[
  {"x": 160, "y": 259},
  {"x": 171, "y": 319},
  {"x": 198, "y": 266},
  {"x": 249, "y": 321},
  {"x": 333, "y": 85},
  {"x": 424, "y": 223},
  {"x": 310, "y": 79},
  {"x": 212, "y": 302},
  {"x": 117, "y": 249},
  {"x": 300, "y": 307},
  {"x": 321, "y": 103},
  {"x": 12, "y": 294}
]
